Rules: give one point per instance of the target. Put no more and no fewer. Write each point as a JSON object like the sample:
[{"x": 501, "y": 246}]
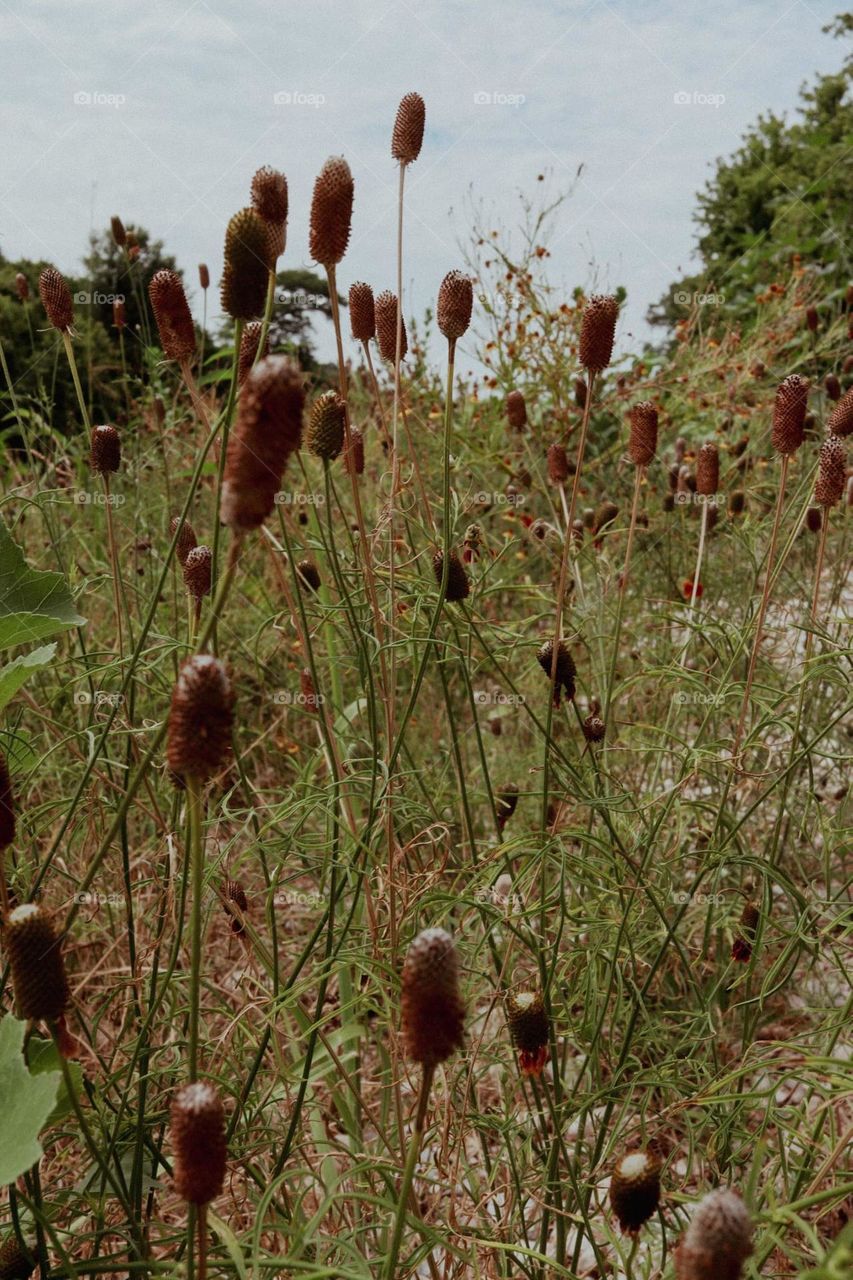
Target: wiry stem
[
  {"x": 69, "y": 351},
  {"x": 111, "y": 539},
  {"x": 409, "y": 1173},
  {"x": 623, "y": 582},
  {"x": 195, "y": 818}
]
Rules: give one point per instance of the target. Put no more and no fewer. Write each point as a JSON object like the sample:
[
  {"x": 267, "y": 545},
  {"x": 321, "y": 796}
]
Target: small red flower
[
  {"x": 687, "y": 588},
  {"x": 532, "y": 1063}
]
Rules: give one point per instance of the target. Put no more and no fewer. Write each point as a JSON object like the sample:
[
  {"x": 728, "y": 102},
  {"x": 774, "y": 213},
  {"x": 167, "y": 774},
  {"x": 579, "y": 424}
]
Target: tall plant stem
[
  {"x": 409, "y": 1173},
  {"x": 374, "y": 382},
  {"x": 623, "y": 583},
  {"x": 694, "y": 591},
  {"x": 223, "y": 447},
  {"x": 762, "y": 609},
  {"x": 195, "y": 818},
  {"x": 203, "y": 333},
  {"x": 111, "y": 539},
  {"x": 81, "y": 401},
  {"x": 267, "y": 316}
]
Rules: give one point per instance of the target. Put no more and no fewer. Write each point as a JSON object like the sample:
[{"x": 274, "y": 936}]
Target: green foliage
[
  {"x": 34, "y": 604},
  {"x": 26, "y": 1103}
]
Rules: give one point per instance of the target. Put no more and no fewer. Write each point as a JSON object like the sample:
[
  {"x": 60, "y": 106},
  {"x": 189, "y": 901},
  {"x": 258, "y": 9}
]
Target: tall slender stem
[
  {"x": 223, "y": 447},
  {"x": 623, "y": 582},
  {"x": 195, "y": 815},
  {"x": 111, "y": 538},
  {"x": 409, "y": 1173},
  {"x": 69, "y": 351}
]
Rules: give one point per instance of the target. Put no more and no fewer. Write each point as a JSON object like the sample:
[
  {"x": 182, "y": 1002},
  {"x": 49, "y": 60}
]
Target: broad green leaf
[
  {"x": 25, "y": 1103},
  {"x": 34, "y": 604},
  {"x": 43, "y": 1057},
  {"x": 16, "y": 673}
]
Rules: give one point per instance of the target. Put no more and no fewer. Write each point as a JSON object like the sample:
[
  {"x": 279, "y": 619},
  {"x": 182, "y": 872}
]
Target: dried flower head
[
  {"x": 186, "y": 538},
  {"x": 386, "y": 327},
  {"x": 34, "y": 952},
  {"x": 331, "y": 212},
  {"x": 565, "y": 672},
  {"x": 598, "y": 330},
  {"x": 558, "y": 464},
  {"x": 362, "y": 313},
  {"x": 269, "y": 199},
  {"x": 643, "y": 438},
  {"x": 198, "y": 568},
  {"x": 708, "y": 469},
  {"x": 14, "y": 1264},
  {"x": 516, "y": 411},
  {"x": 840, "y": 421},
  {"x": 22, "y": 286},
  {"x": 201, "y": 719},
  {"x": 832, "y": 386},
  {"x": 267, "y": 431},
  {"x": 594, "y": 727},
  {"x": 432, "y": 1009},
  {"x": 717, "y": 1241},
  {"x": 324, "y": 435},
  {"x": 530, "y": 1030},
  {"x": 249, "y": 340},
  {"x": 248, "y": 262},
  {"x": 408, "y": 135},
  {"x": 458, "y": 587},
  {"x": 308, "y": 574},
  {"x": 605, "y": 513},
  {"x": 203, "y": 275},
  {"x": 832, "y": 471},
  {"x": 454, "y": 306},
  {"x": 105, "y": 450},
  {"x": 119, "y": 233},
  {"x": 172, "y": 313},
  {"x": 737, "y": 502},
  {"x": 198, "y": 1141},
  {"x": 119, "y": 313},
  {"x": 506, "y": 802},
  {"x": 745, "y": 935},
  {"x": 789, "y": 414},
  {"x": 56, "y": 299},
  {"x": 236, "y": 905},
  {"x": 635, "y": 1189},
  {"x": 354, "y": 453}
]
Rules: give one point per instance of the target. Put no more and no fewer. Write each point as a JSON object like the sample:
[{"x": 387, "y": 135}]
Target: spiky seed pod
[
  {"x": 201, "y": 718},
  {"x": 119, "y": 313},
  {"x": 813, "y": 519},
  {"x": 506, "y": 803},
  {"x": 432, "y": 1009},
  {"x": 249, "y": 340},
  {"x": 454, "y": 305},
  {"x": 362, "y": 311},
  {"x": 308, "y": 574},
  {"x": 840, "y": 421},
  {"x": 564, "y": 679},
  {"x": 269, "y": 199},
  {"x": 737, "y": 502},
  {"x": 7, "y": 804},
  {"x": 324, "y": 436},
  {"x": 267, "y": 431},
  {"x": 745, "y": 936},
  {"x": 605, "y": 513},
  {"x": 186, "y": 538},
  {"x": 172, "y": 313},
  {"x": 105, "y": 450},
  {"x": 594, "y": 728},
  {"x": 198, "y": 1141},
  {"x": 22, "y": 286},
  {"x": 14, "y": 1264},
  {"x": 789, "y": 414},
  {"x": 247, "y": 266},
  {"x": 198, "y": 569},
  {"x": 717, "y": 1241},
  {"x": 458, "y": 587},
  {"x": 832, "y": 471},
  {"x": 203, "y": 275},
  {"x": 34, "y": 952},
  {"x": 408, "y": 135},
  {"x": 386, "y": 327},
  {"x": 235, "y": 896},
  {"x": 331, "y": 212},
  {"x": 833, "y": 387},
  {"x": 812, "y": 319},
  {"x": 580, "y": 393},
  {"x": 643, "y": 438},
  {"x": 119, "y": 233},
  {"x": 56, "y": 299},
  {"x": 708, "y": 470},
  {"x": 635, "y": 1189},
  {"x": 598, "y": 329},
  {"x": 558, "y": 464},
  {"x": 354, "y": 455},
  {"x": 529, "y": 1028},
  {"x": 516, "y": 411}
]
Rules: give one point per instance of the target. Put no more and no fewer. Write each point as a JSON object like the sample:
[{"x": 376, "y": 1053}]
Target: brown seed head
[
  {"x": 56, "y": 299},
  {"x": 267, "y": 431},
  {"x": 235, "y": 897},
  {"x": 269, "y": 198},
  {"x": 458, "y": 587},
  {"x": 386, "y": 327},
  {"x": 789, "y": 414},
  {"x": 248, "y": 262},
  {"x": 172, "y": 313},
  {"x": 833, "y": 387},
  {"x": 605, "y": 513},
  {"x": 186, "y": 538},
  {"x": 119, "y": 233},
  {"x": 7, "y": 804},
  {"x": 832, "y": 471},
  {"x": 737, "y": 502},
  {"x": 455, "y": 303},
  {"x": 105, "y": 455},
  {"x": 22, "y": 286},
  {"x": 331, "y": 212},
  {"x": 34, "y": 952},
  {"x": 203, "y": 275},
  {"x": 308, "y": 574},
  {"x": 558, "y": 464},
  {"x": 408, "y": 135},
  {"x": 119, "y": 313},
  {"x": 198, "y": 568},
  {"x": 198, "y": 1141},
  {"x": 506, "y": 802},
  {"x": 594, "y": 728},
  {"x": 516, "y": 411},
  {"x": 354, "y": 454},
  {"x": 635, "y": 1189},
  {"x": 201, "y": 718},
  {"x": 362, "y": 315},
  {"x": 718, "y": 1240},
  {"x": 565, "y": 673},
  {"x": 598, "y": 330},
  {"x": 432, "y": 1009},
  {"x": 812, "y": 319},
  {"x": 643, "y": 438},
  {"x": 249, "y": 340},
  {"x": 708, "y": 469},
  {"x": 14, "y": 1265},
  {"x": 324, "y": 435},
  {"x": 529, "y": 1027},
  {"x": 840, "y": 421}
]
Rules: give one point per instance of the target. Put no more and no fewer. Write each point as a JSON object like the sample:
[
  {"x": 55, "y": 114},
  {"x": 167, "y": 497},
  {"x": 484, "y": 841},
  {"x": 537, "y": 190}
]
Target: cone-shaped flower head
[
  {"x": 201, "y": 719},
  {"x": 324, "y": 436},
  {"x": 268, "y": 430},
  {"x": 56, "y": 299},
  {"x": 408, "y": 135},
  {"x": 362, "y": 312},
  {"x": 635, "y": 1188},
  {"x": 172, "y": 313},
  {"x": 433, "y": 1013},
  {"x": 248, "y": 263},
  {"x": 34, "y": 952},
  {"x": 331, "y": 212},
  {"x": 718, "y": 1240},
  {"x": 643, "y": 438},
  {"x": 789, "y": 414},
  {"x": 198, "y": 1142},
  {"x": 105, "y": 450},
  {"x": 598, "y": 330}
]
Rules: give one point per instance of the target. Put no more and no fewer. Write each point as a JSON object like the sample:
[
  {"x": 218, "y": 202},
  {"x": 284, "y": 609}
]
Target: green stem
[
  {"x": 69, "y": 351},
  {"x": 409, "y": 1173},
  {"x": 195, "y": 817}
]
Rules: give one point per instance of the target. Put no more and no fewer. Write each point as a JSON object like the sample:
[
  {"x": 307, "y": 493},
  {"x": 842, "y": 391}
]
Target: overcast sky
[{"x": 161, "y": 112}]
